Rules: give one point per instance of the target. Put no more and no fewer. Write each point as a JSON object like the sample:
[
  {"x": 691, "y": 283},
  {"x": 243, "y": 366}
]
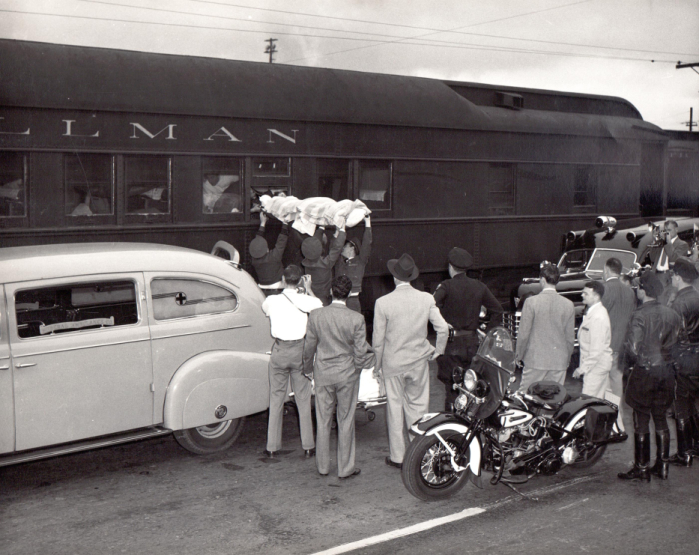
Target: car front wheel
[{"x": 212, "y": 438}]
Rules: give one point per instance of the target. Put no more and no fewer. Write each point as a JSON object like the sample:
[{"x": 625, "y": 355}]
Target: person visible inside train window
[
  {"x": 218, "y": 197},
  {"x": 352, "y": 263},
  {"x": 83, "y": 208},
  {"x": 268, "y": 264}
]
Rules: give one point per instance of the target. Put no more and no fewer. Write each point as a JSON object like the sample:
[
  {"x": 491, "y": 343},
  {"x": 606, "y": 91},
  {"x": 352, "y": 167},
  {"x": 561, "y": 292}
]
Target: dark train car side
[{"x": 99, "y": 144}]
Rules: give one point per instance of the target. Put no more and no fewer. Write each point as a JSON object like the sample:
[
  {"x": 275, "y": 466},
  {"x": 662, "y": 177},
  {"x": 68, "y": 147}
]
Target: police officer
[
  {"x": 652, "y": 334},
  {"x": 686, "y": 357},
  {"x": 460, "y": 299}
]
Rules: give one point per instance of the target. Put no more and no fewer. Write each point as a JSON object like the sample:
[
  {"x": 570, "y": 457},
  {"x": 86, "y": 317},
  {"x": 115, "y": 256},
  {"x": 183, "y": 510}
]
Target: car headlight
[{"x": 470, "y": 380}]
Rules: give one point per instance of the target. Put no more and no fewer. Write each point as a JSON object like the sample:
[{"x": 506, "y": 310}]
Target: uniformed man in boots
[
  {"x": 459, "y": 299},
  {"x": 650, "y": 390},
  {"x": 686, "y": 357}
]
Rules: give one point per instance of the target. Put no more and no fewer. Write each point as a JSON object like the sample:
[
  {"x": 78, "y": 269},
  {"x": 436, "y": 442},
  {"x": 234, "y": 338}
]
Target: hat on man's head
[
  {"x": 311, "y": 248},
  {"x": 651, "y": 284},
  {"x": 685, "y": 269},
  {"x": 355, "y": 243},
  {"x": 403, "y": 268},
  {"x": 460, "y": 258},
  {"x": 258, "y": 247}
]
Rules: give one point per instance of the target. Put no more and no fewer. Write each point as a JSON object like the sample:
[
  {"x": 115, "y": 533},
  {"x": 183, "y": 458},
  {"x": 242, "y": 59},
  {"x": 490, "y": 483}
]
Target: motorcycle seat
[{"x": 550, "y": 395}]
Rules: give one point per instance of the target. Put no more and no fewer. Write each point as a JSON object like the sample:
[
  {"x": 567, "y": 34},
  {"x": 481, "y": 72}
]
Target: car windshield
[
  {"x": 600, "y": 257},
  {"x": 574, "y": 261}
]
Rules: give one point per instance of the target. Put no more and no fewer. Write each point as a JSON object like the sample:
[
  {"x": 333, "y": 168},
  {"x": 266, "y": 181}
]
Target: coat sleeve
[
  {"x": 525, "y": 326},
  {"x": 379, "y": 334},
  {"x": 309, "y": 347},
  {"x": 440, "y": 326},
  {"x": 570, "y": 330},
  {"x": 440, "y": 295},
  {"x": 335, "y": 249},
  {"x": 363, "y": 355},
  {"x": 365, "y": 251},
  {"x": 490, "y": 302},
  {"x": 280, "y": 245}
]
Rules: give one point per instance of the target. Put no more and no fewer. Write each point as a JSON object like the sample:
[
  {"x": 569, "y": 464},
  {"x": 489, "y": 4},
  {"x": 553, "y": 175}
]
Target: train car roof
[{"x": 51, "y": 76}]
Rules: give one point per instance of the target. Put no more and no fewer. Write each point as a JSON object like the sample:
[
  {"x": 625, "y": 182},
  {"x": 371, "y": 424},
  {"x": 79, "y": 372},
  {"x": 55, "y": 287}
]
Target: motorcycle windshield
[{"x": 494, "y": 363}]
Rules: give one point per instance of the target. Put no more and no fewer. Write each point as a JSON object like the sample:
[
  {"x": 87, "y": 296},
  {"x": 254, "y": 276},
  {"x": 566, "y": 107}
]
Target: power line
[
  {"x": 434, "y": 31},
  {"x": 307, "y": 35}
]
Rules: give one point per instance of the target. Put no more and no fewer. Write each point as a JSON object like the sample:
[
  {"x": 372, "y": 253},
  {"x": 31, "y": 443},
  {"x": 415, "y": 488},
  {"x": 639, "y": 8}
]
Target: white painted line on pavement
[
  {"x": 574, "y": 504},
  {"x": 395, "y": 534},
  {"x": 429, "y": 524}
]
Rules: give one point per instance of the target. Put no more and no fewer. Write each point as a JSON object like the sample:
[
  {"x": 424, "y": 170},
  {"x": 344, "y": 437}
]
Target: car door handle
[{"x": 25, "y": 365}]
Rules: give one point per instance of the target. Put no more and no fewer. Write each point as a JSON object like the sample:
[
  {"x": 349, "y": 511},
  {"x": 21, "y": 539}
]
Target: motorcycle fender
[
  {"x": 576, "y": 417},
  {"x": 474, "y": 449}
]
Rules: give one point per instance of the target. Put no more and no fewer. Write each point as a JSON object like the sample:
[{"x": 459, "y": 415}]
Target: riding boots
[
  {"x": 695, "y": 434},
  {"x": 662, "y": 454},
  {"x": 641, "y": 452},
  {"x": 683, "y": 457}
]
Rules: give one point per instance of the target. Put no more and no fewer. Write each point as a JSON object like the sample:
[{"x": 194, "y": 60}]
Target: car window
[
  {"x": 181, "y": 298},
  {"x": 574, "y": 261},
  {"x": 70, "y": 308},
  {"x": 600, "y": 257}
]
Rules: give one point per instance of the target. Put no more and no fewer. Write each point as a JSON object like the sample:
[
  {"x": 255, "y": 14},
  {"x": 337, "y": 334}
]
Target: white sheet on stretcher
[{"x": 369, "y": 387}]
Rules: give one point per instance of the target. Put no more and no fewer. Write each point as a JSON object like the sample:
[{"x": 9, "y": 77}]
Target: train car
[
  {"x": 682, "y": 175},
  {"x": 101, "y": 144}
]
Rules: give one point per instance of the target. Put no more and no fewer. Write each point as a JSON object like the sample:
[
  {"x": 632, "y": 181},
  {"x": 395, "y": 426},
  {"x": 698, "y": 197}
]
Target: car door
[
  {"x": 81, "y": 356},
  {"x": 7, "y": 417}
]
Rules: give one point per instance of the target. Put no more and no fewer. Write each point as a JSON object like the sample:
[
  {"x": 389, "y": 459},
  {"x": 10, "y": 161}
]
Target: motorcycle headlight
[
  {"x": 470, "y": 380},
  {"x": 461, "y": 402}
]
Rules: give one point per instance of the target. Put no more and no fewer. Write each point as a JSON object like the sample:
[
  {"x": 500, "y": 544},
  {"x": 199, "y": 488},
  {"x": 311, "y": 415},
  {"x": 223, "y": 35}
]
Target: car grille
[{"x": 511, "y": 322}]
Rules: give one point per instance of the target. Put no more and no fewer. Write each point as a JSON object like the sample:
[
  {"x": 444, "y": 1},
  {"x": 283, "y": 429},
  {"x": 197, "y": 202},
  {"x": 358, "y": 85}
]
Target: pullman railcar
[{"x": 102, "y": 144}]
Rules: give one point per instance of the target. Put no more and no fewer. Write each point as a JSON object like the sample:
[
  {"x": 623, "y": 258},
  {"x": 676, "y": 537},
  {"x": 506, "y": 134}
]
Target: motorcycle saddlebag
[{"x": 598, "y": 423}]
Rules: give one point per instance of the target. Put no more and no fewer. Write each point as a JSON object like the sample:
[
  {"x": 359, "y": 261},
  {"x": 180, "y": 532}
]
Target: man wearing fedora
[
  {"x": 268, "y": 264},
  {"x": 460, "y": 299},
  {"x": 319, "y": 267},
  {"x": 403, "y": 351},
  {"x": 686, "y": 357}
]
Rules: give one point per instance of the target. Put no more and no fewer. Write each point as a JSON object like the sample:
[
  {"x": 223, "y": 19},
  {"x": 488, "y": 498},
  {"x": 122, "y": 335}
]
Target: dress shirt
[
  {"x": 288, "y": 313},
  {"x": 664, "y": 263}
]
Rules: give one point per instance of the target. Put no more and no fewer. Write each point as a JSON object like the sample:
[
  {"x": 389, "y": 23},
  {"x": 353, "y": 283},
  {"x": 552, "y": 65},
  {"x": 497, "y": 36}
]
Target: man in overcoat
[
  {"x": 650, "y": 390},
  {"x": 403, "y": 351},
  {"x": 336, "y": 335},
  {"x": 620, "y": 302},
  {"x": 546, "y": 333}
]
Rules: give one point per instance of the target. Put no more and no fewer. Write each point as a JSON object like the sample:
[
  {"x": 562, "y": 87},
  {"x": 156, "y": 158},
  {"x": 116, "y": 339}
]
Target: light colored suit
[
  {"x": 595, "y": 337},
  {"x": 402, "y": 354},
  {"x": 336, "y": 335},
  {"x": 546, "y": 337}
]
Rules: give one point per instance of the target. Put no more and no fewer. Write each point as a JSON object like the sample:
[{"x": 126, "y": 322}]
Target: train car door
[
  {"x": 82, "y": 358},
  {"x": 7, "y": 416}
]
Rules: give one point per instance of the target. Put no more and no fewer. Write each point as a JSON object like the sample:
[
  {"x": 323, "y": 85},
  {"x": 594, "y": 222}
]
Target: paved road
[{"x": 154, "y": 497}]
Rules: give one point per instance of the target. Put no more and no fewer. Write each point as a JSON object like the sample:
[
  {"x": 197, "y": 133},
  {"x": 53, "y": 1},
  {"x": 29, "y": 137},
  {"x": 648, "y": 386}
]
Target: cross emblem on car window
[{"x": 181, "y": 298}]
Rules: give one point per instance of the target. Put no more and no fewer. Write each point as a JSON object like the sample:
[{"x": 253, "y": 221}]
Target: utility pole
[
  {"x": 271, "y": 49},
  {"x": 691, "y": 123}
]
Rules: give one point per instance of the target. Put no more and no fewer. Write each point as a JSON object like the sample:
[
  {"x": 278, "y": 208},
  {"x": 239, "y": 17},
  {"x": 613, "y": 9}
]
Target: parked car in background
[
  {"x": 103, "y": 343},
  {"x": 586, "y": 252}
]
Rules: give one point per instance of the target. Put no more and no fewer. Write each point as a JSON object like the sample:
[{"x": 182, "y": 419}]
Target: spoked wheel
[
  {"x": 588, "y": 455},
  {"x": 427, "y": 471}
]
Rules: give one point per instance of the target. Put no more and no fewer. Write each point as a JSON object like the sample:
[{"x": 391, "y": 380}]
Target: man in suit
[
  {"x": 336, "y": 335},
  {"x": 620, "y": 302},
  {"x": 546, "y": 332},
  {"x": 673, "y": 248},
  {"x": 402, "y": 352}
]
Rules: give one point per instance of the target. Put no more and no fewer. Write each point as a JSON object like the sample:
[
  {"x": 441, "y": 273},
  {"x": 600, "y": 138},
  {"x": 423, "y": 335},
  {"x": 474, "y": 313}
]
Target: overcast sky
[{"x": 590, "y": 46}]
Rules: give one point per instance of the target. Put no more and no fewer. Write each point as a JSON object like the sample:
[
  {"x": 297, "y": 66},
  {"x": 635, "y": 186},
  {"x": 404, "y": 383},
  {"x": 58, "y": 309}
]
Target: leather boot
[
  {"x": 641, "y": 452},
  {"x": 695, "y": 435},
  {"x": 662, "y": 454},
  {"x": 683, "y": 457}
]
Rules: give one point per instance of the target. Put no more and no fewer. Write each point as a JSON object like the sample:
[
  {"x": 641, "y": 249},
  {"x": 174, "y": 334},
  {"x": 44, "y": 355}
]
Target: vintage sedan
[
  {"x": 103, "y": 343},
  {"x": 636, "y": 244}
]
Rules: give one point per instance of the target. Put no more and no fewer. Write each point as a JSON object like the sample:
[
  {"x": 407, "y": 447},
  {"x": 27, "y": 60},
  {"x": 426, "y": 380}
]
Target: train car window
[
  {"x": 148, "y": 181},
  {"x": 13, "y": 184},
  {"x": 375, "y": 183},
  {"x": 222, "y": 191},
  {"x": 183, "y": 298},
  {"x": 585, "y": 187},
  {"x": 271, "y": 167},
  {"x": 89, "y": 184},
  {"x": 333, "y": 178},
  {"x": 75, "y": 307},
  {"x": 501, "y": 189}
]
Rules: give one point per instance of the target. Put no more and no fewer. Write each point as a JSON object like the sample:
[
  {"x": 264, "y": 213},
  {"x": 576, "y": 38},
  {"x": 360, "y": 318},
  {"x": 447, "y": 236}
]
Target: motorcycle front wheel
[
  {"x": 588, "y": 456},
  {"x": 427, "y": 472}
]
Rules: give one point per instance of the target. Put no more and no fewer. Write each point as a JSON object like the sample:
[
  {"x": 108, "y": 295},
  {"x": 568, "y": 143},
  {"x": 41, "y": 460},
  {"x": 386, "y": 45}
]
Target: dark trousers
[
  {"x": 459, "y": 352},
  {"x": 687, "y": 382},
  {"x": 641, "y": 421}
]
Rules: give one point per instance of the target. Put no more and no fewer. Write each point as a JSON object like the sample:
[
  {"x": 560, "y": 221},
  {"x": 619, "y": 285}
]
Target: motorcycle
[{"x": 512, "y": 435}]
